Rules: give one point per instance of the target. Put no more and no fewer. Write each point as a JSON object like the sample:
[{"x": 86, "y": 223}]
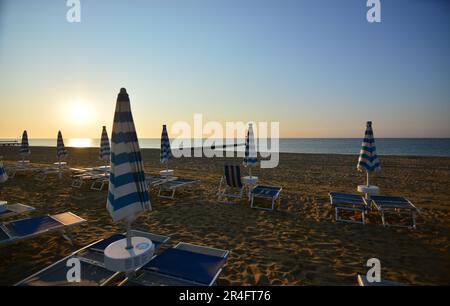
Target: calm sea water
[{"x": 385, "y": 146}]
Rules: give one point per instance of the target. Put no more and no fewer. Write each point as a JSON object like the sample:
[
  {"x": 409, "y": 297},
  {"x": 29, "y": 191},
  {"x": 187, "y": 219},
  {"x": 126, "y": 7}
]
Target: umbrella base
[{"x": 120, "y": 259}]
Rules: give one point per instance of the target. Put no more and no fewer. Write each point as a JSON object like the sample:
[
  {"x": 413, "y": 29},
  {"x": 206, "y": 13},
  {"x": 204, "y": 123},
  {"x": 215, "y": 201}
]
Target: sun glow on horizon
[
  {"x": 80, "y": 143},
  {"x": 79, "y": 111}
]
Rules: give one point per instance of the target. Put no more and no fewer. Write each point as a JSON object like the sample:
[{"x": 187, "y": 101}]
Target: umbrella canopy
[
  {"x": 166, "y": 152},
  {"x": 105, "y": 149},
  {"x": 24, "y": 147},
  {"x": 251, "y": 157},
  {"x": 3, "y": 175},
  {"x": 368, "y": 160},
  {"x": 128, "y": 194},
  {"x": 60, "y": 148}
]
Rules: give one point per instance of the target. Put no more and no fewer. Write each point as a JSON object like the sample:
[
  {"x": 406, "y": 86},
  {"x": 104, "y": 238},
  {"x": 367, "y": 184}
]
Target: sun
[{"x": 79, "y": 111}]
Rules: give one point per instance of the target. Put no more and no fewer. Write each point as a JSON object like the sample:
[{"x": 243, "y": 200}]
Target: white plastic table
[
  {"x": 249, "y": 182},
  {"x": 120, "y": 259},
  {"x": 368, "y": 190}
]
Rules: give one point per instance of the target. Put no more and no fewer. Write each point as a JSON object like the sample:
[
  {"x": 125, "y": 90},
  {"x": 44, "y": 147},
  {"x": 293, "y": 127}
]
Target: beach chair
[
  {"x": 349, "y": 202},
  {"x": 265, "y": 192},
  {"x": 231, "y": 185},
  {"x": 19, "y": 230},
  {"x": 395, "y": 205},
  {"x": 183, "y": 265},
  {"x": 363, "y": 282},
  {"x": 91, "y": 257},
  {"x": 15, "y": 209},
  {"x": 168, "y": 188},
  {"x": 42, "y": 174}
]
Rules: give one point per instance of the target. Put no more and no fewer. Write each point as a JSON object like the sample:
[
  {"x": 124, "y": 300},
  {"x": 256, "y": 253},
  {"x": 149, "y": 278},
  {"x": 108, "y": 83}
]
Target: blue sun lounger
[
  {"x": 231, "y": 185},
  {"x": 349, "y": 202},
  {"x": 93, "y": 271},
  {"x": 183, "y": 265},
  {"x": 15, "y": 209},
  {"x": 265, "y": 192},
  {"x": 18, "y": 230},
  {"x": 395, "y": 205}
]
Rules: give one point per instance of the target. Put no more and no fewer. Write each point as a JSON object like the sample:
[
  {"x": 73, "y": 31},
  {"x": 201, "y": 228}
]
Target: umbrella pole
[
  {"x": 250, "y": 171},
  {"x": 368, "y": 178},
  {"x": 129, "y": 244}
]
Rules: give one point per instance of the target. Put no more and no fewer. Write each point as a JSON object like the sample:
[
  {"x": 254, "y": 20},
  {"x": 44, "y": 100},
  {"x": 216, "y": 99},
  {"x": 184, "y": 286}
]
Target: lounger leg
[
  {"x": 413, "y": 219},
  {"x": 382, "y": 218},
  {"x": 363, "y": 217},
  {"x": 336, "y": 214}
]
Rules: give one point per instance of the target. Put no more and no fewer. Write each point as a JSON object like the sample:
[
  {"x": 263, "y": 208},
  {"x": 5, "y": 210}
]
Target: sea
[{"x": 385, "y": 146}]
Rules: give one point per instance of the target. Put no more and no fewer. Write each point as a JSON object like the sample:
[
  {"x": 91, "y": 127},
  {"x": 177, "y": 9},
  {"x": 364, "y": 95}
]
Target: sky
[{"x": 317, "y": 67}]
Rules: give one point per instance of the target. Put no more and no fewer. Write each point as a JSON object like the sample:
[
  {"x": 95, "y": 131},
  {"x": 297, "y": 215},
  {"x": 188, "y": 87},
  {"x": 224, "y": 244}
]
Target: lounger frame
[
  {"x": 386, "y": 208},
  {"x": 361, "y": 208},
  {"x": 261, "y": 196},
  {"x": 171, "y": 189}
]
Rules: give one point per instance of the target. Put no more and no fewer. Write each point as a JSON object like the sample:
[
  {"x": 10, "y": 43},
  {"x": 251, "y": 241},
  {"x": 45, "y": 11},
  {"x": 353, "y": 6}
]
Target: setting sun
[{"x": 80, "y": 111}]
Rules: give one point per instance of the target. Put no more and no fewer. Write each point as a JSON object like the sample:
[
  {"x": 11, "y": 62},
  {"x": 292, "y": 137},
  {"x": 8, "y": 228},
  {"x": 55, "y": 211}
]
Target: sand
[{"x": 299, "y": 244}]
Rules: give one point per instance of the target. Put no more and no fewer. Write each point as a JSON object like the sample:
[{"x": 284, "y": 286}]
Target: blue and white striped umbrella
[
  {"x": 24, "y": 147},
  {"x": 3, "y": 175},
  {"x": 368, "y": 160},
  {"x": 166, "y": 152},
  {"x": 60, "y": 148},
  {"x": 105, "y": 149},
  {"x": 128, "y": 194},
  {"x": 251, "y": 157}
]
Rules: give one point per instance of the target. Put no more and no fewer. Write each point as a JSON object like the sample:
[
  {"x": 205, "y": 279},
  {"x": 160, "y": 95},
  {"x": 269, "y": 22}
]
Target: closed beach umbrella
[
  {"x": 368, "y": 160},
  {"x": 24, "y": 147},
  {"x": 166, "y": 152},
  {"x": 60, "y": 148},
  {"x": 128, "y": 194},
  {"x": 251, "y": 157},
  {"x": 3, "y": 175},
  {"x": 105, "y": 149}
]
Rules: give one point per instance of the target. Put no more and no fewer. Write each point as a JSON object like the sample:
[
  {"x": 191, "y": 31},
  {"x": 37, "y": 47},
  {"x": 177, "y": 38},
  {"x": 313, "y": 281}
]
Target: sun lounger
[
  {"x": 231, "y": 185},
  {"x": 362, "y": 281},
  {"x": 395, "y": 205},
  {"x": 349, "y": 202},
  {"x": 265, "y": 192},
  {"x": 93, "y": 271},
  {"x": 99, "y": 183},
  {"x": 167, "y": 189},
  {"x": 22, "y": 167},
  {"x": 18, "y": 230},
  {"x": 155, "y": 180},
  {"x": 15, "y": 209},
  {"x": 183, "y": 265}
]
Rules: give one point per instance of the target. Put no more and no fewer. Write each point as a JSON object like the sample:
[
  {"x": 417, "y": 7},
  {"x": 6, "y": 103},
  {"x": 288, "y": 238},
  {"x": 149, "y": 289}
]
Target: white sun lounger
[
  {"x": 15, "y": 209},
  {"x": 17, "y": 230},
  {"x": 91, "y": 257},
  {"x": 167, "y": 189},
  {"x": 183, "y": 265}
]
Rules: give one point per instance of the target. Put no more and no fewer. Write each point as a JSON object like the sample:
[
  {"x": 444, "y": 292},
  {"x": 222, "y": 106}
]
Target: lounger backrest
[{"x": 233, "y": 175}]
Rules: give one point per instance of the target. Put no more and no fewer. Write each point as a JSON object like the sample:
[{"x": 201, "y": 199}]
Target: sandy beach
[{"x": 298, "y": 244}]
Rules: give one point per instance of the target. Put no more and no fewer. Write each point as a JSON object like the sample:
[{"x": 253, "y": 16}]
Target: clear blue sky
[{"x": 316, "y": 66}]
